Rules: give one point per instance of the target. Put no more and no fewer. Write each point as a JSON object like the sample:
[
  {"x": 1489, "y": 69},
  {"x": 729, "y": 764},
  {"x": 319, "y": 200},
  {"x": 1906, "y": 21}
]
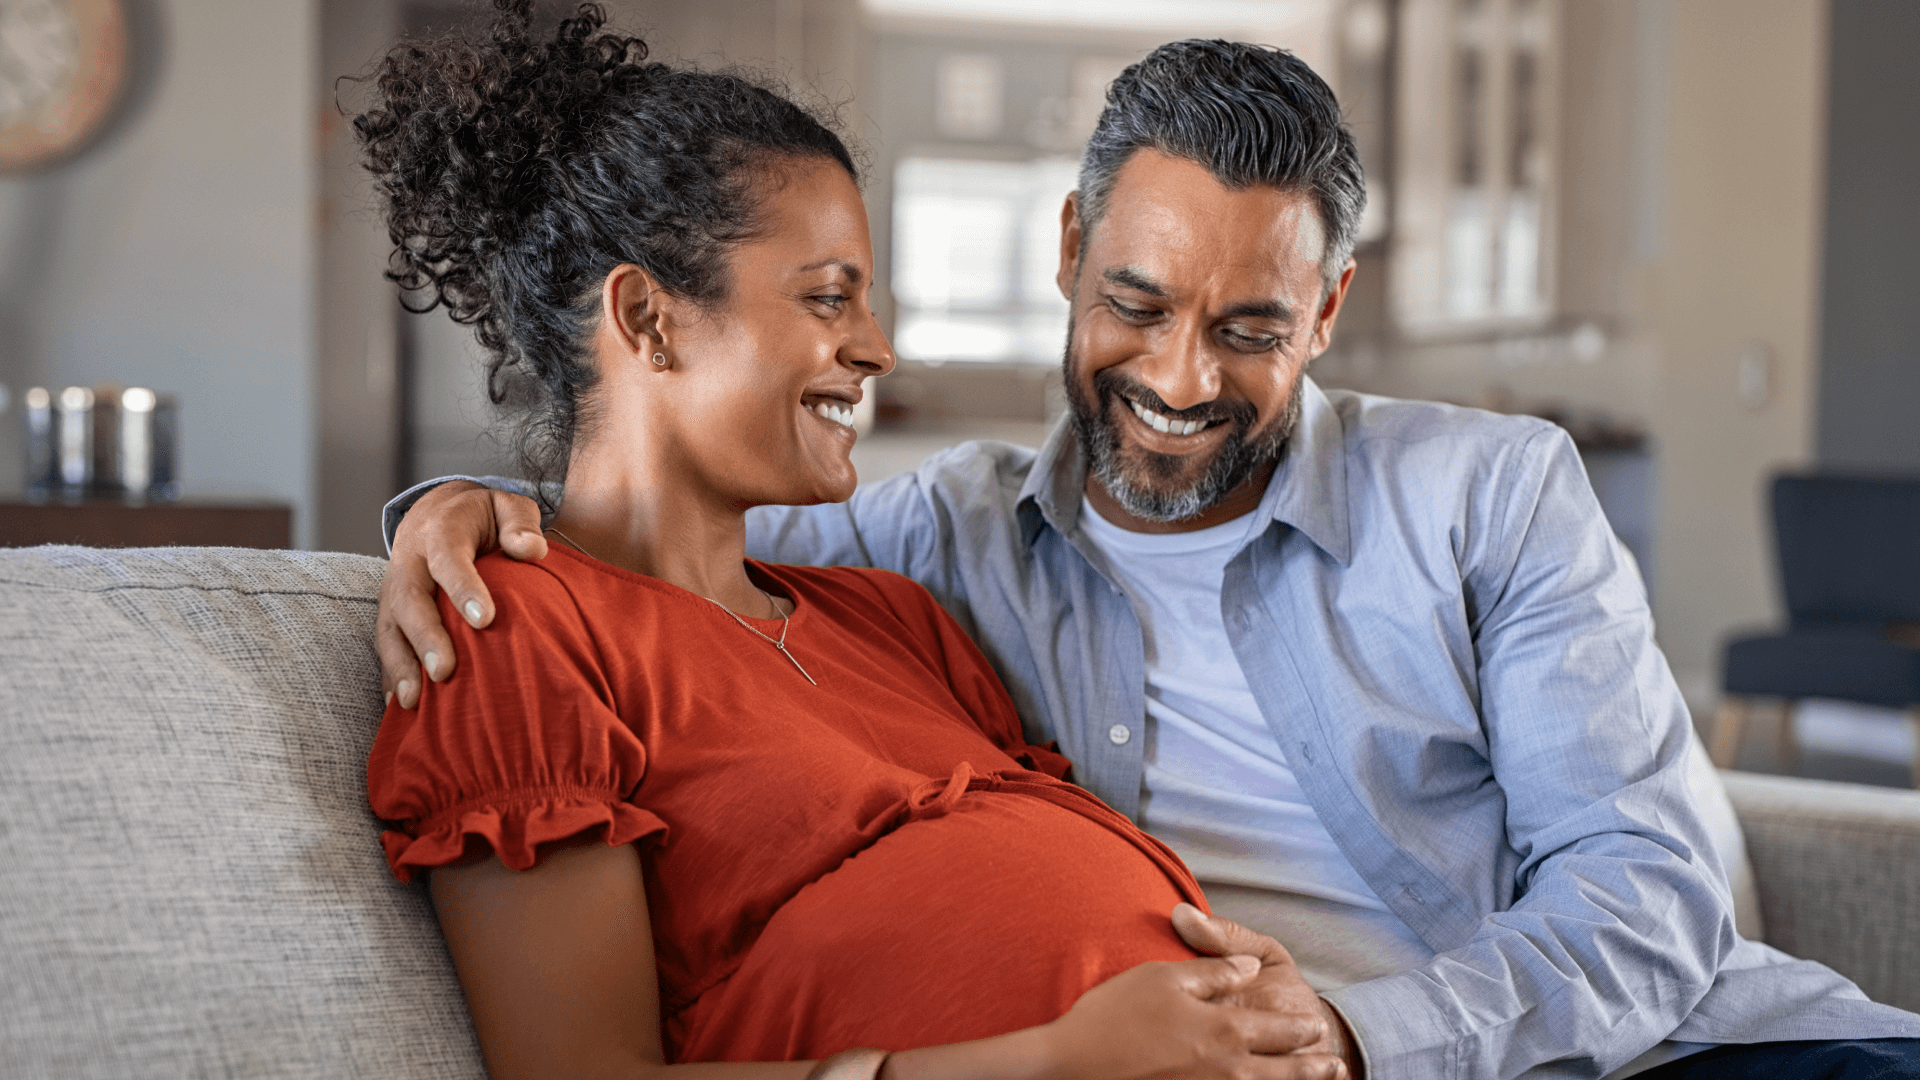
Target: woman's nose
[{"x": 868, "y": 349}]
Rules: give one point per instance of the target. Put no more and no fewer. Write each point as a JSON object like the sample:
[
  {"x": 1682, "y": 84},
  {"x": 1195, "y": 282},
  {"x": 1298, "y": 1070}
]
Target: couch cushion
[{"x": 193, "y": 883}]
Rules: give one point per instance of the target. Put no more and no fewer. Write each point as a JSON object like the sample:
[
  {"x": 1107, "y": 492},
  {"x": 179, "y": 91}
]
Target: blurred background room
[{"x": 1686, "y": 230}]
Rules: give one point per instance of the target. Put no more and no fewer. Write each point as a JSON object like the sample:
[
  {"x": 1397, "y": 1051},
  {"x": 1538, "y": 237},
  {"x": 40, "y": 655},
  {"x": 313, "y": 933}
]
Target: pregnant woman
[{"x": 678, "y": 806}]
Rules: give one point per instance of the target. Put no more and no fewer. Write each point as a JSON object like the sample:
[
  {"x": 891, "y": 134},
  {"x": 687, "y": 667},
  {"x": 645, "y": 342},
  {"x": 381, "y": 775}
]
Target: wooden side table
[{"x": 113, "y": 523}]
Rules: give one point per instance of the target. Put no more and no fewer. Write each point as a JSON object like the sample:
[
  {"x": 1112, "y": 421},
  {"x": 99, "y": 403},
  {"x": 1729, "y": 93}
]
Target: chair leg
[
  {"x": 1729, "y": 729},
  {"x": 1786, "y": 744}
]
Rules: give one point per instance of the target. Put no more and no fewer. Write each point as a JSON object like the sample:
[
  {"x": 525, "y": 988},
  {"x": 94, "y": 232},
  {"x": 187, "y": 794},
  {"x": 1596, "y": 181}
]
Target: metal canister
[
  {"x": 73, "y": 438},
  {"x": 142, "y": 451},
  {"x": 43, "y": 454}
]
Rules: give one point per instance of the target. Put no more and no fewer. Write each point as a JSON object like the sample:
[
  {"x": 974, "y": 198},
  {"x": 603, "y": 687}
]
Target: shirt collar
[
  {"x": 1308, "y": 490},
  {"x": 1051, "y": 494}
]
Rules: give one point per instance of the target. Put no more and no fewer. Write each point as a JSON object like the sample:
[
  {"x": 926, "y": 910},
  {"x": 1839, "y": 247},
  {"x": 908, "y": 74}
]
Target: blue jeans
[{"x": 1864, "y": 1059}]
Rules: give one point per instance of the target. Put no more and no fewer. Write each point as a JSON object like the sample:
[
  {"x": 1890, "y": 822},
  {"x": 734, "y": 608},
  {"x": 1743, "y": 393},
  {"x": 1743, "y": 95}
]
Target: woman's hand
[
  {"x": 1166, "y": 1020},
  {"x": 1278, "y": 987},
  {"x": 437, "y": 543},
  {"x": 1186, "y": 1020}
]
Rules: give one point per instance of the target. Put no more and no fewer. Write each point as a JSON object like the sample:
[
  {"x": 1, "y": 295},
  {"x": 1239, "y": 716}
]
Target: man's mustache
[{"x": 1109, "y": 384}]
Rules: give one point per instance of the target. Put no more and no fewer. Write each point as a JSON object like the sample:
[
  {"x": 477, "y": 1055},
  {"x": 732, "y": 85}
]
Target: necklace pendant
[
  {"x": 786, "y": 621},
  {"x": 796, "y": 663}
]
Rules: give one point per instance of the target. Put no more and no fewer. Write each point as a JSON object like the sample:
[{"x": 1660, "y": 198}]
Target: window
[
  {"x": 968, "y": 97},
  {"x": 1472, "y": 228},
  {"x": 975, "y": 250}
]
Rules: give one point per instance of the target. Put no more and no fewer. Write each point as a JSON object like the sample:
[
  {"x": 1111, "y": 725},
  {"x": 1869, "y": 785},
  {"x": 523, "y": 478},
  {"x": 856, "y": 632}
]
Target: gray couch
[{"x": 191, "y": 883}]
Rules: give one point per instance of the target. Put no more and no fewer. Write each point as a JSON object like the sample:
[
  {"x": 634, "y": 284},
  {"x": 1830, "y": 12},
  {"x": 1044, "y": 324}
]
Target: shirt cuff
[
  {"x": 398, "y": 506},
  {"x": 1359, "y": 1043},
  {"x": 1399, "y": 1029}
]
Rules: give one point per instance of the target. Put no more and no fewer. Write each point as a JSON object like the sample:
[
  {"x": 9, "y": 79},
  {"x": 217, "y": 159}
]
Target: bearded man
[{"x": 1378, "y": 670}]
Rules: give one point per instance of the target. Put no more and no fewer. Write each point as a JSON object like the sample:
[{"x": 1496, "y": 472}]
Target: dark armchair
[{"x": 1849, "y": 557}]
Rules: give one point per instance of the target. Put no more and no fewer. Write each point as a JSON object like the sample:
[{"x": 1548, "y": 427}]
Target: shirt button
[{"x": 1119, "y": 734}]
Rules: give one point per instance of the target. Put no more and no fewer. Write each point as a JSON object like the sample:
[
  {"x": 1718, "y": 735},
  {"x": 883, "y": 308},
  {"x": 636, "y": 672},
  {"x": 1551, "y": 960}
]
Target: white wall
[
  {"x": 1738, "y": 269},
  {"x": 179, "y": 253}
]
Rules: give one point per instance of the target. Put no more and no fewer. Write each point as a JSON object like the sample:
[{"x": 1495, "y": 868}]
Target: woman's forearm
[
  {"x": 728, "y": 1070},
  {"x": 1020, "y": 1055}
]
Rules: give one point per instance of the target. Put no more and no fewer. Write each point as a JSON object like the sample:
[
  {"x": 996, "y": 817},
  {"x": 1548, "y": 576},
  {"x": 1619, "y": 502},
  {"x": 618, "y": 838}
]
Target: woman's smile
[{"x": 836, "y": 412}]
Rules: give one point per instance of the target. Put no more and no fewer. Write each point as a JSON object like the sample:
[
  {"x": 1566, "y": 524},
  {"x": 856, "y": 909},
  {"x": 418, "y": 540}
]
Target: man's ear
[
  {"x": 633, "y": 312},
  {"x": 1330, "y": 310},
  {"x": 1070, "y": 237}
]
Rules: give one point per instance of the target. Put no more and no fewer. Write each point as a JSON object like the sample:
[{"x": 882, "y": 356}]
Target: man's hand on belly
[{"x": 1279, "y": 986}]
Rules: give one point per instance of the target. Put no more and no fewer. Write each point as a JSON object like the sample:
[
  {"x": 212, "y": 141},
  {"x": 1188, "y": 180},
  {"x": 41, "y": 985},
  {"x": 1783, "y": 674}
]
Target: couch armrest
[{"x": 1838, "y": 870}]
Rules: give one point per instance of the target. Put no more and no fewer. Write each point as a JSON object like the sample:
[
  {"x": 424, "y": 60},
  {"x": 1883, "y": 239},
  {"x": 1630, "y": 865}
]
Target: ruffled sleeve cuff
[{"x": 515, "y": 826}]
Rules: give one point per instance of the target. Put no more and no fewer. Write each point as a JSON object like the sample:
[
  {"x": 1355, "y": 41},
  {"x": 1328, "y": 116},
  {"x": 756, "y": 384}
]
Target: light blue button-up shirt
[{"x": 1457, "y": 658}]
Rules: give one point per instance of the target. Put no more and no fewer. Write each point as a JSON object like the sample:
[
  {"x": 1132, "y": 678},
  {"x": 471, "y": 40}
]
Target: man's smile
[
  {"x": 1171, "y": 427},
  {"x": 1193, "y": 437}
]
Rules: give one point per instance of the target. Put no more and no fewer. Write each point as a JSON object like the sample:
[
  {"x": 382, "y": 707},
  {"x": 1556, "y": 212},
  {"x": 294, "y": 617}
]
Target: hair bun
[{"x": 466, "y": 131}]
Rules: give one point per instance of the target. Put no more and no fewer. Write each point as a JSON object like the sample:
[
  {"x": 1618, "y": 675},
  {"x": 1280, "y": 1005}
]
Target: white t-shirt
[{"x": 1217, "y": 788}]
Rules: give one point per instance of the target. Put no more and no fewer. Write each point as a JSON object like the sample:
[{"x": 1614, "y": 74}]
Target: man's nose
[{"x": 1181, "y": 370}]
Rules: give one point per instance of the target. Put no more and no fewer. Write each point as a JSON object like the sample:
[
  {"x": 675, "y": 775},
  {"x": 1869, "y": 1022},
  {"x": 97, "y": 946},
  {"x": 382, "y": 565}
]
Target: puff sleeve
[{"x": 519, "y": 749}]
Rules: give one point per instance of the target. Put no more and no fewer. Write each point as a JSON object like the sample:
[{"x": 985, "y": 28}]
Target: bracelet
[{"x": 859, "y": 1063}]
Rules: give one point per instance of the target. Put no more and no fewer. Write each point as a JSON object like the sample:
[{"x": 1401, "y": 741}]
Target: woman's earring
[{"x": 659, "y": 359}]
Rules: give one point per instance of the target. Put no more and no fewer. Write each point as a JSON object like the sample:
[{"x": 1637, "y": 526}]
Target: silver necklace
[{"x": 786, "y": 620}]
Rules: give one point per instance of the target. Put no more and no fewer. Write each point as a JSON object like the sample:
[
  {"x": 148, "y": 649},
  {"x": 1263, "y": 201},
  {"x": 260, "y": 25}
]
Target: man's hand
[
  {"x": 437, "y": 542},
  {"x": 1278, "y": 987}
]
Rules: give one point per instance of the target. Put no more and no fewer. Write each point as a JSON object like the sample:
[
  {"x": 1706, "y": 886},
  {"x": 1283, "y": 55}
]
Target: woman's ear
[{"x": 633, "y": 316}]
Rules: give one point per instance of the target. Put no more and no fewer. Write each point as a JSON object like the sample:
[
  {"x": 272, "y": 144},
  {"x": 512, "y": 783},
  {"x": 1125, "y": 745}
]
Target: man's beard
[{"x": 1139, "y": 479}]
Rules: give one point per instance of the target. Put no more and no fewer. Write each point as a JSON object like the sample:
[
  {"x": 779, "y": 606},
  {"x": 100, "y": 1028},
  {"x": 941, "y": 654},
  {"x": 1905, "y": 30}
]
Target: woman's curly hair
[{"x": 517, "y": 173}]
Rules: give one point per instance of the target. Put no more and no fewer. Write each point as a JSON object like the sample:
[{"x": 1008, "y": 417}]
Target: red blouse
[{"x": 879, "y": 860}]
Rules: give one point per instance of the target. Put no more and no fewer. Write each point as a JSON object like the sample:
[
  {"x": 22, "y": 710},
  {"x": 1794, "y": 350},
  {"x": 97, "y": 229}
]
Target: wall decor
[{"x": 63, "y": 65}]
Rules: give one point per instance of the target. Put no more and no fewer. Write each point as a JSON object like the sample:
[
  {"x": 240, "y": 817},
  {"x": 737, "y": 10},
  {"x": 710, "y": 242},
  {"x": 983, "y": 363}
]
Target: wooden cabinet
[{"x": 110, "y": 523}]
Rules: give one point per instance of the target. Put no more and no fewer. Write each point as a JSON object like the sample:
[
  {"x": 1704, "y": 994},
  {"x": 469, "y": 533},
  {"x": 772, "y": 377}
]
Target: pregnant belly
[{"x": 995, "y": 915}]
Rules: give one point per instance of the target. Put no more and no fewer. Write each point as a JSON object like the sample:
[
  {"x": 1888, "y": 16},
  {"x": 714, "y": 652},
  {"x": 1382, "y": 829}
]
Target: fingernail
[
  {"x": 1247, "y": 964},
  {"x": 389, "y": 697},
  {"x": 432, "y": 662},
  {"x": 406, "y": 693}
]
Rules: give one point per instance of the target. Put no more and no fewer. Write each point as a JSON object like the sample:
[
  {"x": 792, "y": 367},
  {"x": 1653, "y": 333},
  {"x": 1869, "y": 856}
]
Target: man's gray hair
[{"x": 1250, "y": 114}]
